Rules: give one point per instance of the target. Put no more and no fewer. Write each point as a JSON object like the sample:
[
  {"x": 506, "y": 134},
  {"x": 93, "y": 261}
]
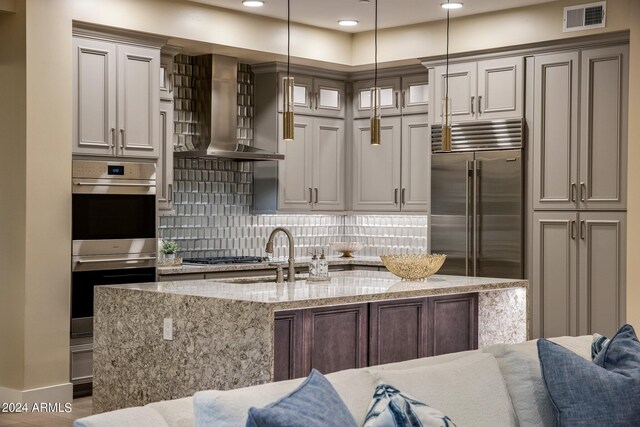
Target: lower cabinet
[{"x": 334, "y": 338}]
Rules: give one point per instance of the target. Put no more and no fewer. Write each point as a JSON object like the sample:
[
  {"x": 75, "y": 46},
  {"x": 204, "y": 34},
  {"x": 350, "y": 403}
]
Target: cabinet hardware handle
[
  {"x": 583, "y": 192},
  {"x": 573, "y": 191},
  {"x": 113, "y": 137},
  {"x": 583, "y": 229},
  {"x": 397, "y": 100},
  {"x": 316, "y": 196},
  {"x": 170, "y": 193},
  {"x": 310, "y": 195},
  {"x": 122, "y": 139},
  {"x": 395, "y": 196},
  {"x": 404, "y": 192},
  {"x": 88, "y": 261},
  {"x": 317, "y": 99},
  {"x": 480, "y": 104},
  {"x": 573, "y": 230},
  {"x": 112, "y": 184},
  {"x": 404, "y": 99},
  {"x": 473, "y": 102}
]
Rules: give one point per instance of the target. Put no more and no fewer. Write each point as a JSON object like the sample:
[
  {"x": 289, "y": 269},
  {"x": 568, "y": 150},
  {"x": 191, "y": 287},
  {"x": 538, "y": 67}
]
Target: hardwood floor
[{"x": 82, "y": 407}]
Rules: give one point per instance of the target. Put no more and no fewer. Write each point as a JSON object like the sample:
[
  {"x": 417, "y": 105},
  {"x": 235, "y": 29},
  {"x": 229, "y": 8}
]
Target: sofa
[{"x": 493, "y": 386}]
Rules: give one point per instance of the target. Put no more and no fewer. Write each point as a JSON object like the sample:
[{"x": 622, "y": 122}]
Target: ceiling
[{"x": 391, "y": 13}]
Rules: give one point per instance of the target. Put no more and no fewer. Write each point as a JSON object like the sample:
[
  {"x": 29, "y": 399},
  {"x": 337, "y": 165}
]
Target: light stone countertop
[
  {"x": 345, "y": 287},
  {"x": 372, "y": 261}
]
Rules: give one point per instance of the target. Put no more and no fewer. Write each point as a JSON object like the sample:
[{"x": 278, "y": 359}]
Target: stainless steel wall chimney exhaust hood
[{"x": 216, "y": 100}]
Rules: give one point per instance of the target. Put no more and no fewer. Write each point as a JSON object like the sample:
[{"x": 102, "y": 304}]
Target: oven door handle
[
  {"x": 88, "y": 261},
  {"x": 94, "y": 184}
]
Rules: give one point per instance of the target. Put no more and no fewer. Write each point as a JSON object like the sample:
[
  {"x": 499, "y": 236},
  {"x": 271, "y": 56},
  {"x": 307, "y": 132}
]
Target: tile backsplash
[{"x": 213, "y": 199}]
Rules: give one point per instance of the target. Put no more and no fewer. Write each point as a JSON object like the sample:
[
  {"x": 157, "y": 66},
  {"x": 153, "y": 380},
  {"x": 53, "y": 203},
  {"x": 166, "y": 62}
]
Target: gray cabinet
[
  {"x": 415, "y": 94},
  {"x": 603, "y": 130},
  {"x": 376, "y": 169},
  {"x": 389, "y": 97},
  {"x": 312, "y": 175},
  {"x": 583, "y": 169},
  {"x": 315, "y": 96},
  {"x": 395, "y": 175},
  {"x": 578, "y": 279},
  {"x": 115, "y": 99},
  {"x": 484, "y": 90},
  {"x": 165, "y": 161}
]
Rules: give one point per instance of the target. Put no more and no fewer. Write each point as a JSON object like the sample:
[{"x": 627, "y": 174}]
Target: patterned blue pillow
[
  {"x": 315, "y": 403},
  {"x": 604, "y": 392},
  {"x": 599, "y": 343},
  {"x": 392, "y": 408}
]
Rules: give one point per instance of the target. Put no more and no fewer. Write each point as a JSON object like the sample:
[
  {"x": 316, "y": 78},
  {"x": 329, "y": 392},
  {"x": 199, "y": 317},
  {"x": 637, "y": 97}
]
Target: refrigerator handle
[
  {"x": 476, "y": 182},
  {"x": 466, "y": 218}
]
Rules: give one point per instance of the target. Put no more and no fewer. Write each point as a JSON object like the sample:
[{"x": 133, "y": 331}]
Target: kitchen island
[{"x": 230, "y": 334}]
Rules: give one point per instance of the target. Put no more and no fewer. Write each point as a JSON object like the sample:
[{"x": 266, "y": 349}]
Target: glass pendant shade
[
  {"x": 446, "y": 124},
  {"x": 287, "y": 119},
  {"x": 375, "y": 116}
]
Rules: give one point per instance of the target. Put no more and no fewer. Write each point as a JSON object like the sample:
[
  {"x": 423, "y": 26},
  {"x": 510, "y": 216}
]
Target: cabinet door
[
  {"x": 603, "y": 137},
  {"x": 397, "y": 331},
  {"x": 302, "y": 94},
  {"x": 453, "y": 324},
  {"x": 389, "y": 97},
  {"x": 415, "y": 94},
  {"x": 294, "y": 172},
  {"x": 602, "y": 272},
  {"x": 500, "y": 88},
  {"x": 335, "y": 338},
  {"x": 462, "y": 91},
  {"x": 165, "y": 161},
  {"x": 555, "y": 151},
  {"x": 416, "y": 156},
  {"x": 94, "y": 97},
  {"x": 328, "y": 164},
  {"x": 376, "y": 169},
  {"x": 329, "y": 98},
  {"x": 138, "y": 101},
  {"x": 287, "y": 346},
  {"x": 553, "y": 281}
]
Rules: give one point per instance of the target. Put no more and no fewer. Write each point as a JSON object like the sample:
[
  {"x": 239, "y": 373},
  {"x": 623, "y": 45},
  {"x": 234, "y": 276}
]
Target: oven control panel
[{"x": 98, "y": 169}]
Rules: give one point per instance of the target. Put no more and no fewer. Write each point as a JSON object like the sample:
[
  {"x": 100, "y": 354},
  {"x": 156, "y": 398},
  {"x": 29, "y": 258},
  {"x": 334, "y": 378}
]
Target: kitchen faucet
[{"x": 291, "y": 278}]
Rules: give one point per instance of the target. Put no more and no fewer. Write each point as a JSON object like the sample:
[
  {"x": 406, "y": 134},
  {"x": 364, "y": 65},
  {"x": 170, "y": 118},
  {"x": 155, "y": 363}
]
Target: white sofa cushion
[
  {"x": 468, "y": 389},
  {"x": 229, "y": 408},
  {"x": 141, "y": 416},
  {"x": 176, "y": 413},
  {"x": 520, "y": 367}
]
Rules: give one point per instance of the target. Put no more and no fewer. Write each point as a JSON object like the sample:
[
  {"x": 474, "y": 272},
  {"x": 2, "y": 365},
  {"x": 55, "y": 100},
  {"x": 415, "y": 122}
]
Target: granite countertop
[
  {"x": 345, "y": 287},
  {"x": 373, "y": 261}
]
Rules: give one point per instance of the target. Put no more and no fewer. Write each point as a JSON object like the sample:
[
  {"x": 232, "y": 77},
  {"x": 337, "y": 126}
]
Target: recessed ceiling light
[
  {"x": 253, "y": 3},
  {"x": 451, "y": 5},
  {"x": 348, "y": 22}
]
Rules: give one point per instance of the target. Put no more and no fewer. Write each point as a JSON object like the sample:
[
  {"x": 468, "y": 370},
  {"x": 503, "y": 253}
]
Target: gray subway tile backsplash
[{"x": 213, "y": 200}]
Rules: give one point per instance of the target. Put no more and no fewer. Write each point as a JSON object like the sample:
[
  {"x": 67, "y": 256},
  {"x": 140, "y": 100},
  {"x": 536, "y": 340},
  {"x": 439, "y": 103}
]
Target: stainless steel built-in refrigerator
[{"x": 477, "y": 199}]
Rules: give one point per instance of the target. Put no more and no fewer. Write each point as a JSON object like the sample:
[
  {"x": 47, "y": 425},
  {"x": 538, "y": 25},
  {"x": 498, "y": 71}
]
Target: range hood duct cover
[{"x": 216, "y": 102}]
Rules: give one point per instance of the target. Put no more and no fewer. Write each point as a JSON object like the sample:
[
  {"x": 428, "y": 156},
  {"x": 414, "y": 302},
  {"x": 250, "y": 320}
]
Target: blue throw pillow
[
  {"x": 315, "y": 403},
  {"x": 604, "y": 392},
  {"x": 392, "y": 408}
]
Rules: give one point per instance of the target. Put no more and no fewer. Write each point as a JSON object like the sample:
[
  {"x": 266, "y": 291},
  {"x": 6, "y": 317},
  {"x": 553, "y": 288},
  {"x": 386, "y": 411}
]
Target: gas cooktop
[{"x": 224, "y": 260}]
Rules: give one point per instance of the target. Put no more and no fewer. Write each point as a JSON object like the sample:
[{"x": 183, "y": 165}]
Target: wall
[{"x": 633, "y": 211}]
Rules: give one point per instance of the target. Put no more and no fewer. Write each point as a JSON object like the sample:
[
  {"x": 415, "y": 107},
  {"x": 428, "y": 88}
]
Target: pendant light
[
  {"x": 375, "y": 91},
  {"x": 446, "y": 102},
  {"x": 287, "y": 117}
]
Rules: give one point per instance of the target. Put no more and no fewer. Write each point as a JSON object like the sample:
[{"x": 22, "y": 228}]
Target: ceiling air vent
[{"x": 584, "y": 16}]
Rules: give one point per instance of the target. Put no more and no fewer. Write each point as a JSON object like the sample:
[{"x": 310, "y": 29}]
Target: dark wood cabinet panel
[
  {"x": 335, "y": 338},
  {"x": 288, "y": 345},
  {"x": 397, "y": 330},
  {"x": 453, "y": 324}
]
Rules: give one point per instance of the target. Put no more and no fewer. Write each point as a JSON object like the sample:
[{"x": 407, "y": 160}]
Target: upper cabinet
[
  {"x": 588, "y": 91},
  {"x": 315, "y": 96},
  {"x": 115, "y": 99},
  {"x": 398, "y": 95},
  {"x": 483, "y": 90}
]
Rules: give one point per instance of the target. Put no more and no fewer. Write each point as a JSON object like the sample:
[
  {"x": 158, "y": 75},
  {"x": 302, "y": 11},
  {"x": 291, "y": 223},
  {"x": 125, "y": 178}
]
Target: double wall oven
[{"x": 114, "y": 242}]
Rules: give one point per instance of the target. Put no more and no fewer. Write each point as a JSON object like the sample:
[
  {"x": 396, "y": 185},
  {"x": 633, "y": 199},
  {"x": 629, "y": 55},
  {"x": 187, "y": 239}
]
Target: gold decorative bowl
[
  {"x": 414, "y": 267},
  {"x": 347, "y": 248}
]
